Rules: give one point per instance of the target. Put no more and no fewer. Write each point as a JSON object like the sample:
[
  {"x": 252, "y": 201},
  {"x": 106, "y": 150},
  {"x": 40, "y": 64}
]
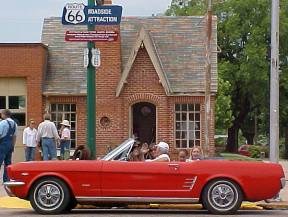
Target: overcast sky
[{"x": 21, "y": 21}]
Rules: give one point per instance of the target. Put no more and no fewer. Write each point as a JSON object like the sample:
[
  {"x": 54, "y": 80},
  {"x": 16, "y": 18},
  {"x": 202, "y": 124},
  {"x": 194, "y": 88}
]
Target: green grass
[{"x": 230, "y": 156}]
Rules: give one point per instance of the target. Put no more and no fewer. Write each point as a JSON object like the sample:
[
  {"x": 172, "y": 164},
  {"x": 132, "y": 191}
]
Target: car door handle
[{"x": 176, "y": 166}]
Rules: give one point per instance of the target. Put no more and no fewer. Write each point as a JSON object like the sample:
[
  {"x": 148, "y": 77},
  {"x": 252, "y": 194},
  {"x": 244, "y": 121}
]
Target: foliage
[
  {"x": 229, "y": 156},
  {"x": 256, "y": 150},
  {"x": 186, "y": 8},
  {"x": 243, "y": 66},
  {"x": 223, "y": 105}
]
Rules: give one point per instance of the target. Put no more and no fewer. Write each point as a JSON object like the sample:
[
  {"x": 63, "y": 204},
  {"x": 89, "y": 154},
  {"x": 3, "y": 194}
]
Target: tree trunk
[
  {"x": 232, "y": 141},
  {"x": 286, "y": 143},
  {"x": 250, "y": 138}
]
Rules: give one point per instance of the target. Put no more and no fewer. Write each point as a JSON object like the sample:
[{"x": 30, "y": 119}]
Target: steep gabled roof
[
  {"x": 145, "y": 39},
  {"x": 176, "y": 47}
]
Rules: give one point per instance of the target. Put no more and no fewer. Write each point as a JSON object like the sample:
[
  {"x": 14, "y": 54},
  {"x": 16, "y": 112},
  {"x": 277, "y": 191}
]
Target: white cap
[
  {"x": 65, "y": 123},
  {"x": 163, "y": 145}
]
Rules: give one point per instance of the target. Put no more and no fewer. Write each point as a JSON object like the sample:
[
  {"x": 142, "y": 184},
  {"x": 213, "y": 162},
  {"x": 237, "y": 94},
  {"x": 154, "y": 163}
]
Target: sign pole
[
  {"x": 274, "y": 83},
  {"x": 91, "y": 96}
]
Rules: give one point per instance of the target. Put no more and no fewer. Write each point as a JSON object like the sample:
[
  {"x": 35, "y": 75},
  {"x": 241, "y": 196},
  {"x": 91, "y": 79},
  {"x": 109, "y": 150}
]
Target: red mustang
[{"x": 57, "y": 186}]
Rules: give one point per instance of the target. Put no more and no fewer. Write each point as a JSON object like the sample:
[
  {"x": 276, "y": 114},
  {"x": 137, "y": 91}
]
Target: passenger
[
  {"x": 161, "y": 155},
  {"x": 135, "y": 154},
  {"x": 183, "y": 155},
  {"x": 196, "y": 153},
  {"x": 151, "y": 153}
]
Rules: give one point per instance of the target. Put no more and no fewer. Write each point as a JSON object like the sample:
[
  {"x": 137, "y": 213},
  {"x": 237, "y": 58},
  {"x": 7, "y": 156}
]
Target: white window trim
[{"x": 187, "y": 125}]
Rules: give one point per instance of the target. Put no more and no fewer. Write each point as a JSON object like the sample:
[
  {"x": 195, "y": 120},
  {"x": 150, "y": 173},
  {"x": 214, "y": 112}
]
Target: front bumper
[
  {"x": 283, "y": 182},
  {"x": 12, "y": 184}
]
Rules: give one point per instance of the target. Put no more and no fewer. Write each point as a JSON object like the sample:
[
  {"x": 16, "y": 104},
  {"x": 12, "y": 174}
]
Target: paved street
[{"x": 136, "y": 213}]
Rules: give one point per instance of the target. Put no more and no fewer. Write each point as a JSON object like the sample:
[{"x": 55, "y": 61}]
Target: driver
[{"x": 161, "y": 154}]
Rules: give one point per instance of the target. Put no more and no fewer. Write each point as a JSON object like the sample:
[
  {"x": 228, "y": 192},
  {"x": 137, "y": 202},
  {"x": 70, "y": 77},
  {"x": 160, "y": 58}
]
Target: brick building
[
  {"x": 151, "y": 82},
  {"x": 22, "y": 71}
]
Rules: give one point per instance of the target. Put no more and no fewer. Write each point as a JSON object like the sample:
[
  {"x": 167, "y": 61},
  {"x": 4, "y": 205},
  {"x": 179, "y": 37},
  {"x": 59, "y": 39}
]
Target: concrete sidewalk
[{"x": 284, "y": 192}]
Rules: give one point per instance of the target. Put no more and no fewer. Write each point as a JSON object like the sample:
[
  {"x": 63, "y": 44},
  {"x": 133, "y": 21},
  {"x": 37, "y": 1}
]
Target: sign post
[
  {"x": 91, "y": 15},
  {"x": 91, "y": 96}
]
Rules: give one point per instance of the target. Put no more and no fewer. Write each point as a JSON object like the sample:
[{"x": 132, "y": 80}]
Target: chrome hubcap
[
  {"x": 222, "y": 195},
  {"x": 49, "y": 195}
]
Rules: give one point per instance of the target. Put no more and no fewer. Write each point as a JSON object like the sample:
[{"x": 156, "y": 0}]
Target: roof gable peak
[{"x": 144, "y": 38}]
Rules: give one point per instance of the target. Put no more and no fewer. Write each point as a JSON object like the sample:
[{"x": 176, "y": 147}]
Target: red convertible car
[{"x": 220, "y": 185}]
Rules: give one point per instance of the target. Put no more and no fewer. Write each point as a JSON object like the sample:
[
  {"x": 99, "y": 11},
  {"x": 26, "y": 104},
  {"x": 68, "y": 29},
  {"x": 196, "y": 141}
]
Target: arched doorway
[{"x": 144, "y": 122}]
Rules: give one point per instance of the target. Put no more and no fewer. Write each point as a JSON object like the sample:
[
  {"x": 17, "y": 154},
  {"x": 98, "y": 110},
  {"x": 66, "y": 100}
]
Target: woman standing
[
  {"x": 65, "y": 140},
  {"x": 29, "y": 141}
]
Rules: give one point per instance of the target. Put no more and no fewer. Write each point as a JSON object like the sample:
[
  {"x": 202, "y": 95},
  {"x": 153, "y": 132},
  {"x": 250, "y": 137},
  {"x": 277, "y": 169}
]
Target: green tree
[
  {"x": 223, "y": 105},
  {"x": 244, "y": 37},
  {"x": 243, "y": 33},
  {"x": 186, "y": 8}
]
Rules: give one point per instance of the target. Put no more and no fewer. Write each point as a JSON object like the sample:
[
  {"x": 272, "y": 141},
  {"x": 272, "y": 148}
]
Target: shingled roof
[{"x": 179, "y": 44}]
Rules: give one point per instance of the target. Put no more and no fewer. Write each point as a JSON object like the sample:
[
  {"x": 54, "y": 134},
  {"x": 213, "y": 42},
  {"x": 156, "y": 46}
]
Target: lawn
[{"x": 230, "y": 156}]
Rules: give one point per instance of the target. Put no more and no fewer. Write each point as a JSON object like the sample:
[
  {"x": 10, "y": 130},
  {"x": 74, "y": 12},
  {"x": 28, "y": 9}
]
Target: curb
[
  {"x": 16, "y": 203},
  {"x": 275, "y": 205}
]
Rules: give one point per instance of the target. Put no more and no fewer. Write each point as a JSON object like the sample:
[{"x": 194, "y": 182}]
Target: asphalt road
[{"x": 140, "y": 213}]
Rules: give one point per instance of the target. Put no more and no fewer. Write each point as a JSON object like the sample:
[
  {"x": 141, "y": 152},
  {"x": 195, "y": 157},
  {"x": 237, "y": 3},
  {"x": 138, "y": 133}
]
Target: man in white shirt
[
  {"x": 162, "y": 151},
  {"x": 48, "y": 135},
  {"x": 29, "y": 141}
]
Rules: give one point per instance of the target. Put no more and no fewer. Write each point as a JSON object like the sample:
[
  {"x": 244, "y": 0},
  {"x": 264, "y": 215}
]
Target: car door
[
  {"x": 144, "y": 179},
  {"x": 85, "y": 178}
]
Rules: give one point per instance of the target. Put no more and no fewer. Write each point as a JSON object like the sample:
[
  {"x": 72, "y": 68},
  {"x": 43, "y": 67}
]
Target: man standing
[
  {"x": 29, "y": 141},
  {"x": 48, "y": 135},
  {"x": 8, "y": 130}
]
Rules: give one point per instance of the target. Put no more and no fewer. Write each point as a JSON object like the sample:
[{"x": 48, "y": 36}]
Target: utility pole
[
  {"x": 274, "y": 83},
  {"x": 91, "y": 96},
  {"x": 208, "y": 79}
]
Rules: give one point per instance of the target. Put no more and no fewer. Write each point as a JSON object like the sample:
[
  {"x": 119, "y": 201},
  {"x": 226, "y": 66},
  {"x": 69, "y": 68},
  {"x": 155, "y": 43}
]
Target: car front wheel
[
  {"x": 222, "y": 197},
  {"x": 50, "y": 196}
]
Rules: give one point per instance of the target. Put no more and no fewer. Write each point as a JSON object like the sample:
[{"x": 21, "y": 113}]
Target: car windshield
[{"x": 121, "y": 151}]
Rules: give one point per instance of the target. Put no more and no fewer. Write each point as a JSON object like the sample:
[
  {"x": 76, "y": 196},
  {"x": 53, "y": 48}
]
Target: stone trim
[{"x": 143, "y": 97}]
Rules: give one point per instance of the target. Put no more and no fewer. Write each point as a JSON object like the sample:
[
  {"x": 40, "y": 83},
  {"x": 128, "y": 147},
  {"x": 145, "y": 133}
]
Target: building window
[
  {"x": 17, "y": 106},
  {"x": 2, "y": 102},
  {"x": 60, "y": 112},
  {"x": 187, "y": 125},
  {"x": 16, "y": 102}
]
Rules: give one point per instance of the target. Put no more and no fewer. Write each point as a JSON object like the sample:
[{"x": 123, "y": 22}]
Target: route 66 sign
[{"x": 73, "y": 13}]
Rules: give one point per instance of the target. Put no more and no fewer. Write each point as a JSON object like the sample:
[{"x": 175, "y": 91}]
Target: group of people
[
  {"x": 160, "y": 152},
  {"x": 196, "y": 153},
  {"x": 46, "y": 137}
]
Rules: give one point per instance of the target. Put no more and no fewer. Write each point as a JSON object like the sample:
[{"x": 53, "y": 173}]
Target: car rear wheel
[
  {"x": 50, "y": 196},
  {"x": 222, "y": 197}
]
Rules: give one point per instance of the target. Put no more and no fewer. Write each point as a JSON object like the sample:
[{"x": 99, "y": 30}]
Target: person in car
[
  {"x": 183, "y": 155},
  {"x": 135, "y": 154},
  {"x": 196, "y": 153},
  {"x": 161, "y": 154}
]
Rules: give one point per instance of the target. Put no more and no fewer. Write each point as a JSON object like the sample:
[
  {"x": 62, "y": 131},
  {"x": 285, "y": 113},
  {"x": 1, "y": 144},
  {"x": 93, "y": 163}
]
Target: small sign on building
[
  {"x": 99, "y": 36},
  {"x": 96, "y": 58}
]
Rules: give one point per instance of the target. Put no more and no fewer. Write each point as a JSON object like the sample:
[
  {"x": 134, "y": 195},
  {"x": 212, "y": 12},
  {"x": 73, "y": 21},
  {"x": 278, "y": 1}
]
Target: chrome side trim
[
  {"x": 138, "y": 199},
  {"x": 13, "y": 184},
  {"x": 190, "y": 182}
]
